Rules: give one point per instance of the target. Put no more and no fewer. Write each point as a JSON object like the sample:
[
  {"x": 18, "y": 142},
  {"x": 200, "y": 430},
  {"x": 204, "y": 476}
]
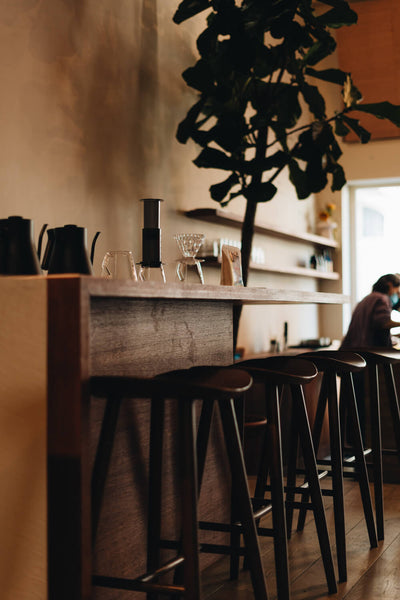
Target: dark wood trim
[{"x": 69, "y": 555}]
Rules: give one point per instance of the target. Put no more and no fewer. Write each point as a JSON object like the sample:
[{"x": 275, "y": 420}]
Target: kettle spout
[
  {"x": 94, "y": 246},
  {"x": 40, "y": 240}
]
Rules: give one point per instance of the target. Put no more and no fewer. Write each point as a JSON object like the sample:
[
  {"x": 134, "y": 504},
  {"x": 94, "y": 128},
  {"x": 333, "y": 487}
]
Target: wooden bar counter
[{"x": 58, "y": 331}]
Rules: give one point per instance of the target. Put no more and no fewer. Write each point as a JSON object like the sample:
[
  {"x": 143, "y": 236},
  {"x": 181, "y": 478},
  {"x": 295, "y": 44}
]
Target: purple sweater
[{"x": 366, "y": 326}]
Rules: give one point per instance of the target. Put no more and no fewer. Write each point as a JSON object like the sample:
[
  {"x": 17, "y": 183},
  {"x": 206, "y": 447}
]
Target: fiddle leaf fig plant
[{"x": 259, "y": 109}]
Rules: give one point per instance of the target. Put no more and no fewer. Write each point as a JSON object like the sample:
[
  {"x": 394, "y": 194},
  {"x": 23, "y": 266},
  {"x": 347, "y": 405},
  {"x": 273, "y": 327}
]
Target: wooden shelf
[
  {"x": 298, "y": 271},
  {"x": 216, "y": 215}
]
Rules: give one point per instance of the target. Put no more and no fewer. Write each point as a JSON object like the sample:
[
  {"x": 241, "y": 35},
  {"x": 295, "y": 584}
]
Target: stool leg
[
  {"x": 291, "y": 468},
  {"x": 274, "y": 453},
  {"x": 235, "y": 534},
  {"x": 347, "y": 396},
  {"x": 310, "y": 465},
  {"x": 203, "y": 435},
  {"x": 155, "y": 487},
  {"x": 102, "y": 459},
  {"x": 394, "y": 404},
  {"x": 376, "y": 442},
  {"x": 316, "y": 436},
  {"x": 337, "y": 474},
  {"x": 189, "y": 496},
  {"x": 239, "y": 480}
]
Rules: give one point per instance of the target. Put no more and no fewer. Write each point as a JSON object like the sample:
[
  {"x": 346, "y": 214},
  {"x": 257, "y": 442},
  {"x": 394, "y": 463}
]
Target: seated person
[{"x": 370, "y": 326}]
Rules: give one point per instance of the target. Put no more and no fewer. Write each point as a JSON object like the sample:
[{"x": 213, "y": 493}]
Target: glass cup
[{"x": 119, "y": 264}]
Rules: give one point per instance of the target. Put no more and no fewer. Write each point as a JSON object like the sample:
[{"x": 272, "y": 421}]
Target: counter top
[
  {"x": 99, "y": 287},
  {"x": 235, "y": 294}
]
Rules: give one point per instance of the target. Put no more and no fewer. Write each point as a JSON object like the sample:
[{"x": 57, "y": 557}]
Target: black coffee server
[
  {"x": 18, "y": 255},
  {"x": 66, "y": 251}
]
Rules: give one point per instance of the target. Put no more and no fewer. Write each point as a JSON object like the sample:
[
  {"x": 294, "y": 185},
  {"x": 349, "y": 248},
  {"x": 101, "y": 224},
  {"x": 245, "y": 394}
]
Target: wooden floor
[{"x": 372, "y": 574}]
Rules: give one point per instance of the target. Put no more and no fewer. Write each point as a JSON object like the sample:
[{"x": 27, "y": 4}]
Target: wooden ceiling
[{"x": 370, "y": 51}]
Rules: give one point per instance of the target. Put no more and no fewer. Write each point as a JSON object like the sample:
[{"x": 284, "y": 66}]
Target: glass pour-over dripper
[{"x": 188, "y": 267}]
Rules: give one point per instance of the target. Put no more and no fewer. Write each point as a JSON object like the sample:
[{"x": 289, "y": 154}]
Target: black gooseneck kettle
[
  {"x": 18, "y": 255},
  {"x": 66, "y": 251}
]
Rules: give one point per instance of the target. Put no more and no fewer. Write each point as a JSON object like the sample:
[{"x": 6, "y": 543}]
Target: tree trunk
[{"x": 247, "y": 242}]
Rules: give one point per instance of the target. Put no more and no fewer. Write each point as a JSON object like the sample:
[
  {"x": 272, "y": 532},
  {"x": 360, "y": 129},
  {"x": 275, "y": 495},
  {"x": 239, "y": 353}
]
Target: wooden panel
[
  {"x": 70, "y": 570},
  {"x": 371, "y": 53},
  {"x": 146, "y": 337},
  {"x": 23, "y": 393}
]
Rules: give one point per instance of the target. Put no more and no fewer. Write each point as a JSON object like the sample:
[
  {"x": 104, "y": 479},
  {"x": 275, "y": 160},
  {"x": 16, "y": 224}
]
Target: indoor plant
[{"x": 255, "y": 73}]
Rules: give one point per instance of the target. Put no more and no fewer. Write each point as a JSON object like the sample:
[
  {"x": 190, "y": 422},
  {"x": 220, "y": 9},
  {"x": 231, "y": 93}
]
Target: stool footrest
[
  {"x": 211, "y": 526},
  {"x": 390, "y": 451},
  {"x": 300, "y": 505},
  {"x": 144, "y": 583},
  {"x": 222, "y": 549},
  {"x": 209, "y": 548},
  {"x": 266, "y": 531},
  {"x": 327, "y": 492}
]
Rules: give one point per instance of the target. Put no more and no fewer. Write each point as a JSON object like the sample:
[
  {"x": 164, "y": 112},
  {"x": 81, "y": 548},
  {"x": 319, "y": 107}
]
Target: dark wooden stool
[
  {"x": 211, "y": 385},
  {"x": 383, "y": 358},
  {"x": 343, "y": 364},
  {"x": 273, "y": 373}
]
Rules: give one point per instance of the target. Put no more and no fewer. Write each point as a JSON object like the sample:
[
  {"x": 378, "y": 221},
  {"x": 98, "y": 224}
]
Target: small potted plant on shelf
[{"x": 326, "y": 226}]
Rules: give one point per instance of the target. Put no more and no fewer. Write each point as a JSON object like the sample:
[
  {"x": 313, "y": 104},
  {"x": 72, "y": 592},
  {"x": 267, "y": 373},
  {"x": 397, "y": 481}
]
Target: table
[{"x": 81, "y": 326}]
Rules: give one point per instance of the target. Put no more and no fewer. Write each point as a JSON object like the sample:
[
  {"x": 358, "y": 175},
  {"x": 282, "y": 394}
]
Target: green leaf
[
  {"x": 218, "y": 191},
  {"x": 207, "y": 42},
  {"x": 335, "y": 151},
  {"x": 210, "y": 158},
  {"x": 314, "y": 100},
  {"x": 382, "y": 110},
  {"x": 287, "y": 105},
  {"x": 320, "y": 50},
  {"x": 338, "y": 178},
  {"x": 354, "y": 124},
  {"x": 188, "y": 125},
  {"x": 338, "y": 17},
  {"x": 299, "y": 179},
  {"x": 340, "y": 128},
  {"x": 332, "y": 75},
  {"x": 316, "y": 175},
  {"x": 275, "y": 161},
  {"x": 261, "y": 192},
  {"x": 230, "y": 132},
  {"x": 202, "y": 137},
  {"x": 199, "y": 77},
  {"x": 189, "y": 8}
]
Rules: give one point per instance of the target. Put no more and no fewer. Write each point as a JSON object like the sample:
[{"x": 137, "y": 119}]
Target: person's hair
[{"x": 382, "y": 285}]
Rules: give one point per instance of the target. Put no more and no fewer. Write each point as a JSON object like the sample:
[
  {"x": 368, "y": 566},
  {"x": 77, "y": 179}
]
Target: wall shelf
[
  {"x": 298, "y": 271},
  {"x": 216, "y": 215},
  {"x": 223, "y": 217}
]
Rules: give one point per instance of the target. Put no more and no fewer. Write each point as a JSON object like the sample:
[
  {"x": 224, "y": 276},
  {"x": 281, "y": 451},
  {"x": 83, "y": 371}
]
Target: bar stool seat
[
  {"x": 211, "y": 385},
  {"x": 333, "y": 363},
  {"x": 383, "y": 358},
  {"x": 273, "y": 373}
]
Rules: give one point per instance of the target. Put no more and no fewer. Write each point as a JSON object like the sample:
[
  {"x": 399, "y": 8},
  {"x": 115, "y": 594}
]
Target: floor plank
[{"x": 372, "y": 573}]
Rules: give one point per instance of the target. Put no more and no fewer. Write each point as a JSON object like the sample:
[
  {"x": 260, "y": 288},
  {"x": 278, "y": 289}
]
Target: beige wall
[
  {"x": 23, "y": 393},
  {"x": 91, "y": 97}
]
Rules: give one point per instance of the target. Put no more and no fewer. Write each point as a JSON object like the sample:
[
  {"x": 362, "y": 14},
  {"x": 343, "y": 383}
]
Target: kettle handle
[
  {"x": 41, "y": 234},
  {"x": 93, "y": 246}
]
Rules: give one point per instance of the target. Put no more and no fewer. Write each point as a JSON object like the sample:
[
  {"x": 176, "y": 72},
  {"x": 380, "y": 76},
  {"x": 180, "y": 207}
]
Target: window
[{"x": 373, "y": 230}]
